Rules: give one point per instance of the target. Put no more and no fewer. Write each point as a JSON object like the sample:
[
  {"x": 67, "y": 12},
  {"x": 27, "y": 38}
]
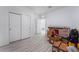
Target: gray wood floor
[{"x": 37, "y": 43}]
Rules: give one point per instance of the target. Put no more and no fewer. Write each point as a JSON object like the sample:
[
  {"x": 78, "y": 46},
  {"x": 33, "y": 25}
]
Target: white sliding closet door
[
  {"x": 26, "y": 26},
  {"x": 15, "y": 27}
]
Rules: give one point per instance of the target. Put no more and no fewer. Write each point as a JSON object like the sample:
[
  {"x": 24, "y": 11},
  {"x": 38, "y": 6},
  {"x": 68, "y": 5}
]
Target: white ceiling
[{"x": 40, "y": 10}]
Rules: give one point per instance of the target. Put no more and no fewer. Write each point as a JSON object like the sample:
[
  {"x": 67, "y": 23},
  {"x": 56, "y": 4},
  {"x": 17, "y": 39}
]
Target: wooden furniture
[
  {"x": 60, "y": 45},
  {"x": 57, "y": 37},
  {"x": 61, "y": 31}
]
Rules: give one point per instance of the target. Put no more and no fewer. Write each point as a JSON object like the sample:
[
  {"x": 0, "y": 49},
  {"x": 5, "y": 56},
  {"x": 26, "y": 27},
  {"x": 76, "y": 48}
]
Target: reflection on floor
[{"x": 36, "y": 43}]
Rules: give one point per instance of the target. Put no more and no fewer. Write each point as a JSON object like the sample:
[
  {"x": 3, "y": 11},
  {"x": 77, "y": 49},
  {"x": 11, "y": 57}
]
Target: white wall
[
  {"x": 4, "y": 36},
  {"x": 76, "y": 17},
  {"x": 67, "y": 16},
  {"x": 4, "y": 21}
]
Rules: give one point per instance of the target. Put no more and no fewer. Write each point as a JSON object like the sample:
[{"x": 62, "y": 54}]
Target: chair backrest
[{"x": 73, "y": 36}]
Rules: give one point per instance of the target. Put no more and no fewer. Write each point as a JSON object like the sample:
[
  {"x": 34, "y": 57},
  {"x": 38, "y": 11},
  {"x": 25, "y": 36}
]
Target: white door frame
[
  {"x": 20, "y": 24},
  {"x": 37, "y": 25}
]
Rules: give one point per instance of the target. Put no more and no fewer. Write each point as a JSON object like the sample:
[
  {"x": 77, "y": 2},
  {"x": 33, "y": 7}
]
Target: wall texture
[
  {"x": 4, "y": 35},
  {"x": 67, "y": 16}
]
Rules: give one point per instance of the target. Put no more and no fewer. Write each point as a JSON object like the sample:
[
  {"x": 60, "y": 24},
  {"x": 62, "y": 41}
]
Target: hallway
[{"x": 36, "y": 43}]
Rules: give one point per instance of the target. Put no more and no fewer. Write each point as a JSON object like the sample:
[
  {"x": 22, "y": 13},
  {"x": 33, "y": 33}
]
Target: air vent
[{"x": 49, "y": 6}]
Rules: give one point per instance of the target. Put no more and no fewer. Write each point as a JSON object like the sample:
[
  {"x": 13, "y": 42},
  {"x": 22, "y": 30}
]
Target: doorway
[
  {"x": 14, "y": 27},
  {"x": 41, "y": 26}
]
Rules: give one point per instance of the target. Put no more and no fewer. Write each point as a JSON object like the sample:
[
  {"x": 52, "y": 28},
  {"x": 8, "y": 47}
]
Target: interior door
[
  {"x": 15, "y": 28},
  {"x": 41, "y": 26},
  {"x": 26, "y": 26},
  {"x": 38, "y": 26}
]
